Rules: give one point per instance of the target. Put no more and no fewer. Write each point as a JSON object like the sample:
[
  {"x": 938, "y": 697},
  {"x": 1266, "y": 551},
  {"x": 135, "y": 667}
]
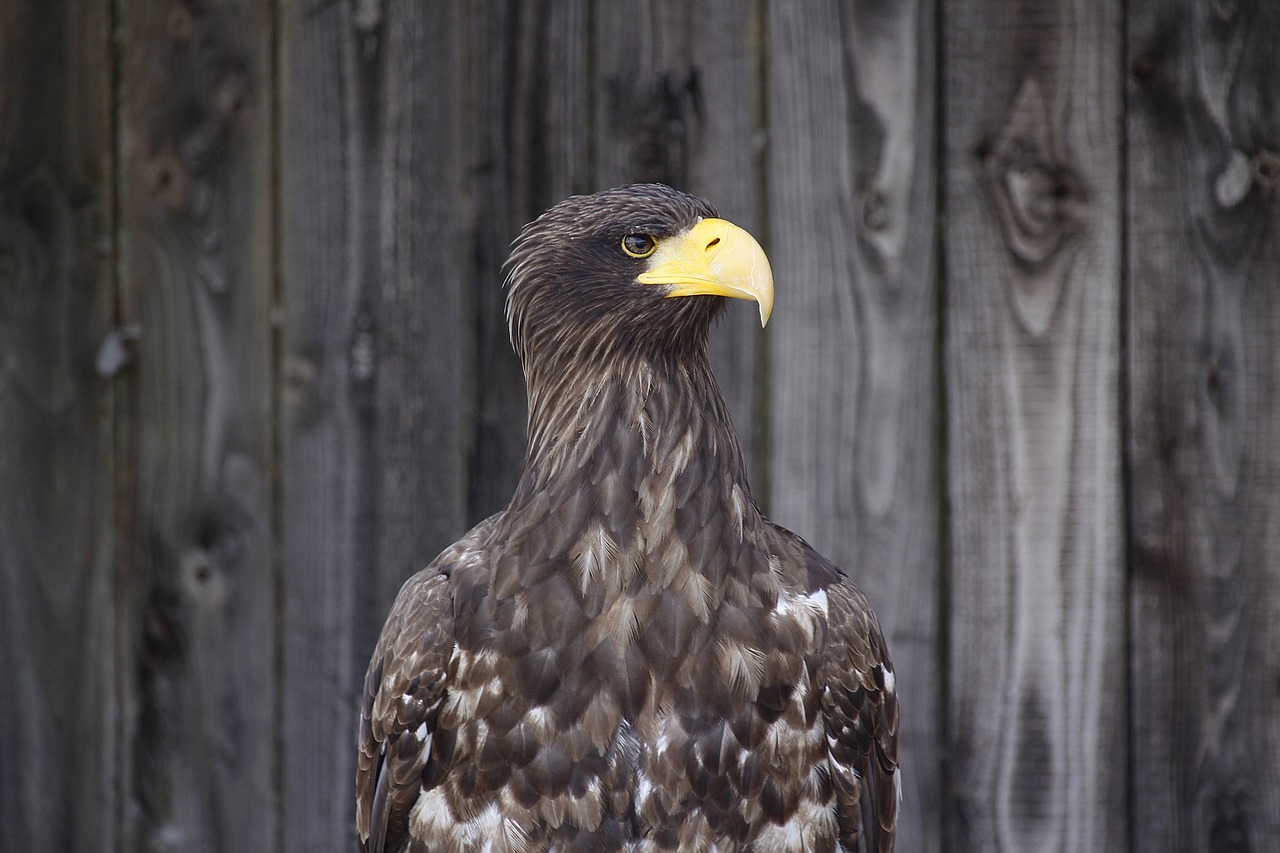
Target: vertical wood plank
[
  {"x": 528, "y": 147},
  {"x": 852, "y": 343},
  {"x": 59, "y": 711},
  {"x": 1204, "y": 424},
  {"x": 374, "y": 358},
  {"x": 197, "y": 247},
  {"x": 1036, "y": 710},
  {"x": 677, "y": 90}
]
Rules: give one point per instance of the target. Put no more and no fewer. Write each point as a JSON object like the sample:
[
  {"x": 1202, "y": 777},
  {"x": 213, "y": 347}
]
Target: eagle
[{"x": 629, "y": 656}]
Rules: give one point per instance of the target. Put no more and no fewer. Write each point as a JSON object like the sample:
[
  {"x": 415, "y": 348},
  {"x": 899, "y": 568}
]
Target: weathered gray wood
[
  {"x": 677, "y": 94},
  {"x": 197, "y": 222},
  {"x": 375, "y": 348},
  {"x": 58, "y": 708},
  {"x": 1204, "y": 424},
  {"x": 171, "y": 687},
  {"x": 528, "y": 147},
  {"x": 1036, "y": 710},
  {"x": 852, "y": 343}
]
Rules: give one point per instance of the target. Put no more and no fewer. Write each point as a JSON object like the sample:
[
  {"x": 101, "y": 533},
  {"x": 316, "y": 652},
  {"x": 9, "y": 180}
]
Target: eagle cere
[{"x": 629, "y": 656}]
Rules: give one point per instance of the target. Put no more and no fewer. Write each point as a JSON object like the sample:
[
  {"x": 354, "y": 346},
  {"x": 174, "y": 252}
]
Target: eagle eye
[{"x": 639, "y": 245}]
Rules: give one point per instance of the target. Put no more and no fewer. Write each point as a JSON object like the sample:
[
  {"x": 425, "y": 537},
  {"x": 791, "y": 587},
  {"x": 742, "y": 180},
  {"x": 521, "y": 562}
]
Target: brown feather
[{"x": 629, "y": 655}]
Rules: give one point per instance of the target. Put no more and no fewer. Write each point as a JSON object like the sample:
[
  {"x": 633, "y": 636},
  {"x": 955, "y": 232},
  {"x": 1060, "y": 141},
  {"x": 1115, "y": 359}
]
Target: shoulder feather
[
  {"x": 403, "y": 689},
  {"x": 860, "y": 708}
]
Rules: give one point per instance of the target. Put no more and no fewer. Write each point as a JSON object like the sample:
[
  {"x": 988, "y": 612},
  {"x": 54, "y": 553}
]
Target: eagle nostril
[{"x": 713, "y": 243}]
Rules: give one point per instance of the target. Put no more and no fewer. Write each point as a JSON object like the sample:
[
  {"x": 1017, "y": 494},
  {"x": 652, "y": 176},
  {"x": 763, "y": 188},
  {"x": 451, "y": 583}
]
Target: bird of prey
[{"x": 629, "y": 656}]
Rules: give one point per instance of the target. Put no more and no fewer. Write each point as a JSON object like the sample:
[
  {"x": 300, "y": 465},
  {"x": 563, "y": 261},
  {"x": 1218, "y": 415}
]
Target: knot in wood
[
  {"x": 875, "y": 210},
  {"x": 115, "y": 352},
  {"x": 367, "y": 16},
  {"x": 163, "y": 638},
  {"x": 363, "y": 351},
  {"x": 1267, "y": 168},
  {"x": 1143, "y": 68},
  {"x": 299, "y": 375},
  {"x": 1233, "y": 183},
  {"x": 1040, "y": 208},
  {"x": 1038, "y": 198},
  {"x": 180, "y": 25},
  {"x": 196, "y": 570},
  {"x": 166, "y": 181}
]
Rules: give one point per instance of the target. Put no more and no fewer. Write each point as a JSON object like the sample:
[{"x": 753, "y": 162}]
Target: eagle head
[{"x": 613, "y": 270}]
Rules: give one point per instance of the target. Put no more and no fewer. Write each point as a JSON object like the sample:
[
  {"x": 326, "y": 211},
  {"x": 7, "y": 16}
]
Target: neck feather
[
  {"x": 633, "y": 486},
  {"x": 634, "y": 415}
]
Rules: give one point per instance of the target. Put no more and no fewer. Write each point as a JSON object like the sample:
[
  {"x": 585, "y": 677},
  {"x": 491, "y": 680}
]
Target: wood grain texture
[
  {"x": 1036, "y": 711},
  {"x": 199, "y": 628},
  {"x": 59, "y": 710},
  {"x": 677, "y": 89},
  {"x": 374, "y": 355},
  {"x": 1204, "y": 424},
  {"x": 528, "y": 146},
  {"x": 853, "y": 430},
  {"x": 180, "y": 679}
]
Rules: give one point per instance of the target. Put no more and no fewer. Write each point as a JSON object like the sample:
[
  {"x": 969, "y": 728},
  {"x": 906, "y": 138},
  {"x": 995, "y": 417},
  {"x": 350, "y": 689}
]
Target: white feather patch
[
  {"x": 804, "y": 610},
  {"x": 431, "y": 815},
  {"x": 594, "y": 554},
  {"x": 739, "y": 502},
  {"x": 484, "y": 828},
  {"x": 813, "y": 824},
  {"x": 424, "y": 754},
  {"x": 744, "y": 667}
]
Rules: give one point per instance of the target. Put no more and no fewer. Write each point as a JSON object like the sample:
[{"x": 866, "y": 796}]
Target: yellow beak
[{"x": 713, "y": 258}]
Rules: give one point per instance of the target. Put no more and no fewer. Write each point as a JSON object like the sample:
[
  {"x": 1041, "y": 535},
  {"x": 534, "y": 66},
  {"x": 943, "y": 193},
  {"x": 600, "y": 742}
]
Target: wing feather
[
  {"x": 860, "y": 708},
  {"x": 403, "y": 690}
]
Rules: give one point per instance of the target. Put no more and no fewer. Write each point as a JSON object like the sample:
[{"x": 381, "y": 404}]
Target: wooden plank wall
[
  {"x": 1021, "y": 380},
  {"x": 1032, "y": 191},
  {"x": 852, "y": 360},
  {"x": 374, "y": 361},
  {"x": 1203, "y": 285},
  {"x": 198, "y": 592},
  {"x": 60, "y": 716}
]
